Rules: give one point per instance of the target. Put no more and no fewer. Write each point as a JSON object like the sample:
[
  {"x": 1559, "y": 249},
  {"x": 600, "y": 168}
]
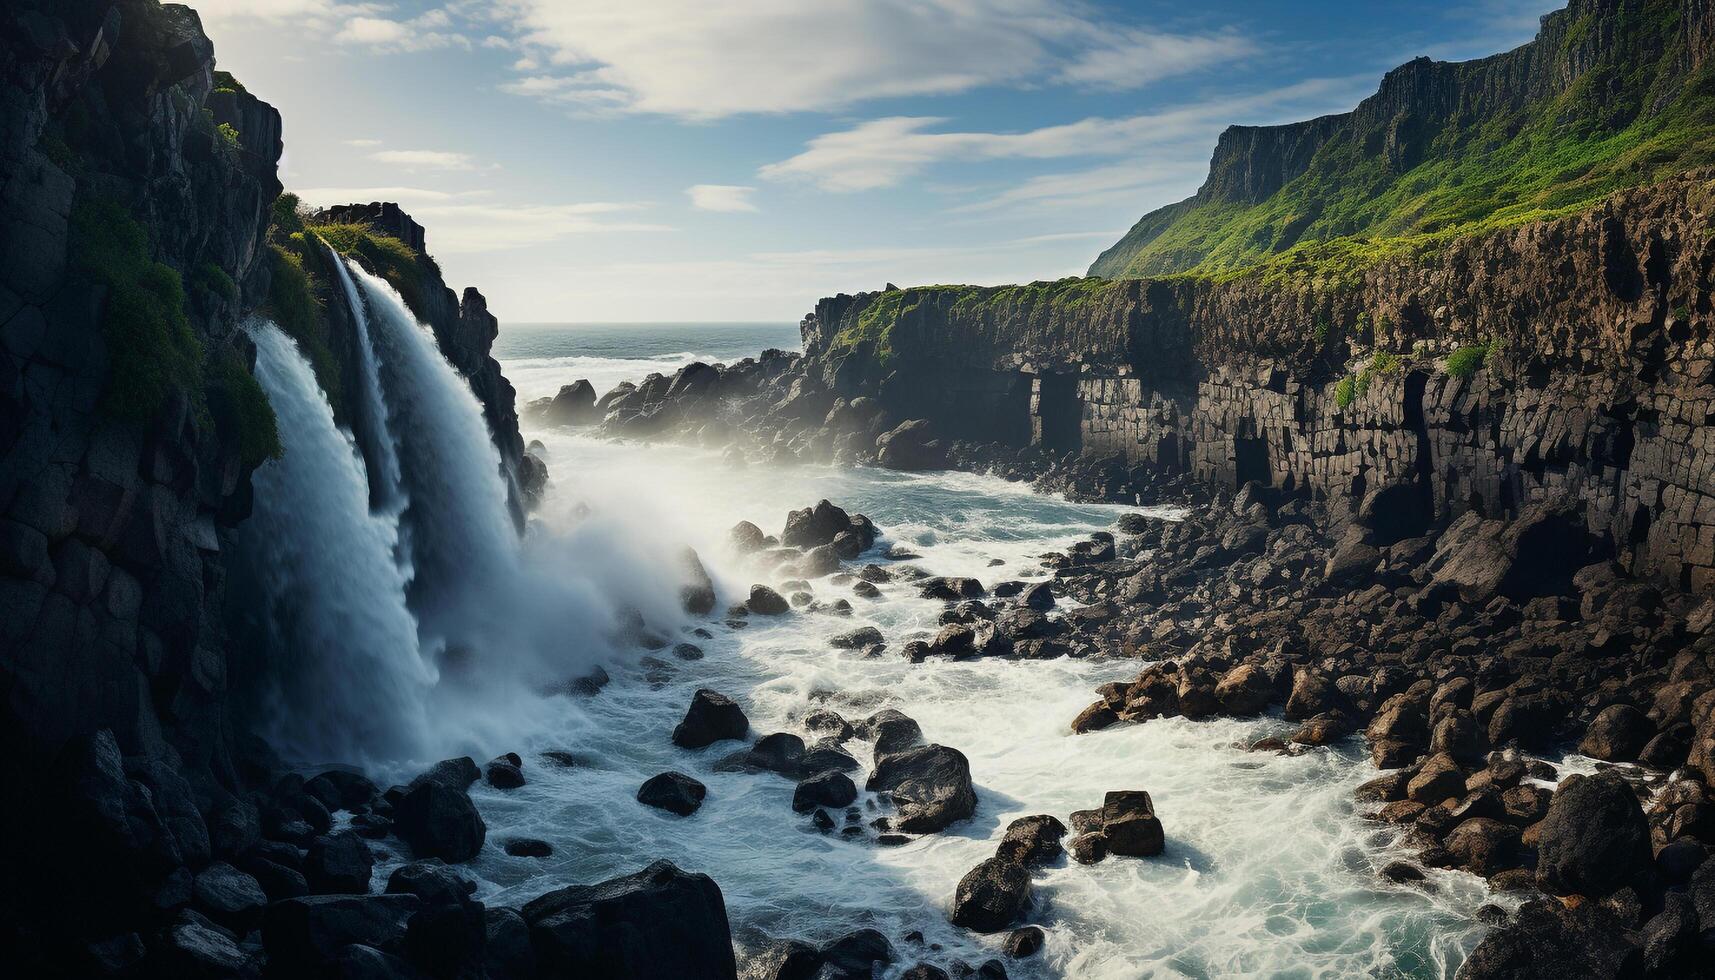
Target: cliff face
[
  {"x": 1442, "y": 149},
  {"x": 1565, "y": 359},
  {"x": 112, "y": 522}
]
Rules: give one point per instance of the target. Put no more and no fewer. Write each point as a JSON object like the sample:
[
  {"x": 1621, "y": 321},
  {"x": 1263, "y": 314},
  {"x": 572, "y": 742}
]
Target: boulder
[
  {"x": 674, "y": 792},
  {"x": 697, "y": 595},
  {"x": 814, "y": 526},
  {"x": 505, "y": 772},
  {"x": 439, "y": 821},
  {"x": 1440, "y": 778},
  {"x": 658, "y": 924},
  {"x": 930, "y": 785},
  {"x": 747, "y": 537},
  {"x": 1130, "y": 826},
  {"x": 1032, "y": 840},
  {"x": 892, "y": 731},
  {"x": 830, "y": 789},
  {"x": 1482, "y": 845},
  {"x": 339, "y": 864},
  {"x": 1088, "y": 848},
  {"x": 507, "y": 953},
  {"x": 991, "y": 896},
  {"x": 764, "y": 601},
  {"x": 457, "y": 774},
  {"x": 1244, "y": 690},
  {"x": 1023, "y": 943},
  {"x": 855, "y": 954},
  {"x": 1594, "y": 839},
  {"x": 1533, "y": 555},
  {"x": 1618, "y": 733},
  {"x": 229, "y": 897},
  {"x": 857, "y": 639},
  {"x": 712, "y": 717},
  {"x": 431, "y": 882},
  {"x": 573, "y": 404},
  {"x": 304, "y": 936},
  {"x": 911, "y": 446},
  {"x": 1547, "y": 942}
]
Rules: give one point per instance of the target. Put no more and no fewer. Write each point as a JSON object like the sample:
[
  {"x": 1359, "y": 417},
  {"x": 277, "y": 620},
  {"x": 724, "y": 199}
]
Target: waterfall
[
  {"x": 464, "y": 546},
  {"x": 385, "y": 490},
  {"x": 329, "y": 596}
]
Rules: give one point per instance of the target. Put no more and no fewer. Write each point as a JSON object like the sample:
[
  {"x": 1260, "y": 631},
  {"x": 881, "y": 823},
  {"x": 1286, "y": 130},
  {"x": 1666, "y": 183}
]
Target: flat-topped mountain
[{"x": 1611, "y": 94}]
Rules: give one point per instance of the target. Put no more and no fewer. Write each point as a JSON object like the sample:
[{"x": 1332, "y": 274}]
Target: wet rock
[
  {"x": 529, "y": 847},
  {"x": 229, "y": 897},
  {"x": 188, "y": 949},
  {"x": 911, "y": 446},
  {"x": 304, "y": 936},
  {"x": 857, "y": 639},
  {"x": 431, "y": 882},
  {"x": 764, "y": 601},
  {"x": 781, "y": 959},
  {"x": 1032, "y": 840},
  {"x": 1617, "y": 734},
  {"x": 930, "y": 785},
  {"x": 1400, "y": 872},
  {"x": 712, "y": 717},
  {"x": 1544, "y": 942},
  {"x": 747, "y": 537},
  {"x": 855, "y": 955},
  {"x": 1482, "y": 845},
  {"x": 1130, "y": 825},
  {"x": 1024, "y": 943},
  {"x": 506, "y": 772},
  {"x": 781, "y": 752},
  {"x": 339, "y": 864},
  {"x": 832, "y": 788},
  {"x": 825, "y": 755},
  {"x": 924, "y": 971},
  {"x": 457, "y": 774},
  {"x": 1244, "y": 690},
  {"x": 697, "y": 595},
  {"x": 507, "y": 953},
  {"x": 573, "y": 404},
  {"x": 991, "y": 896},
  {"x": 439, "y": 821},
  {"x": 1594, "y": 838},
  {"x": 658, "y": 924},
  {"x": 674, "y": 792},
  {"x": 1088, "y": 848},
  {"x": 950, "y": 589},
  {"x": 892, "y": 731},
  {"x": 1094, "y": 718},
  {"x": 1440, "y": 778},
  {"x": 1039, "y": 597}
]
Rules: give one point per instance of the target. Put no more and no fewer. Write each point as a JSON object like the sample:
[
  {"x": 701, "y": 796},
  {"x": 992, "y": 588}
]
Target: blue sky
[{"x": 646, "y": 160}]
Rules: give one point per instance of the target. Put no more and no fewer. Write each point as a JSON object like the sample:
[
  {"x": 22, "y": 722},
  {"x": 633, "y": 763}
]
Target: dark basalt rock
[
  {"x": 1032, "y": 840},
  {"x": 658, "y": 924},
  {"x": 432, "y": 882},
  {"x": 712, "y": 717},
  {"x": 930, "y": 785},
  {"x": 857, "y": 639},
  {"x": 506, "y": 772},
  {"x": 764, "y": 601},
  {"x": 674, "y": 792},
  {"x": 1546, "y": 942},
  {"x": 304, "y": 936},
  {"x": 1024, "y": 943},
  {"x": 440, "y": 822},
  {"x": 1617, "y": 734},
  {"x": 339, "y": 864},
  {"x": 229, "y": 897},
  {"x": 1130, "y": 826},
  {"x": 573, "y": 404},
  {"x": 1594, "y": 839},
  {"x": 891, "y": 730},
  {"x": 992, "y": 896},
  {"x": 831, "y": 789}
]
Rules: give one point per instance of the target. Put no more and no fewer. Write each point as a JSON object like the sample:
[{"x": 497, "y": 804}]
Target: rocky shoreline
[{"x": 1464, "y": 653}]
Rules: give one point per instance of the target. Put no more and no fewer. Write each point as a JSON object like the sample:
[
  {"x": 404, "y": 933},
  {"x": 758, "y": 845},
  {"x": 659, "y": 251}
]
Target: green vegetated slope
[{"x": 1611, "y": 94}]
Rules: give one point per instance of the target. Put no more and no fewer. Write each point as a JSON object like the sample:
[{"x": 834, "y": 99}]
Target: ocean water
[
  {"x": 1270, "y": 868},
  {"x": 540, "y": 357}
]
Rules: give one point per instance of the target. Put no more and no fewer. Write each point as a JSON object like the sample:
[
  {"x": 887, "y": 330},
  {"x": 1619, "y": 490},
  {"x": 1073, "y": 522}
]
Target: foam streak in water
[{"x": 330, "y": 592}]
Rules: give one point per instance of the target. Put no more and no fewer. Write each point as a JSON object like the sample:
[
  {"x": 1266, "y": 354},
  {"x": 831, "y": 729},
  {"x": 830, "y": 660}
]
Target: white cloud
[
  {"x": 1121, "y": 183},
  {"x": 427, "y": 32},
  {"x": 325, "y": 196},
  {"x": 700, "y": 60},
  {"x": 883, "y": 152},
  {"x": 425, "y": 159},
  {"x": 721, "y": 197},
  {"x": 361, "y": 142}
]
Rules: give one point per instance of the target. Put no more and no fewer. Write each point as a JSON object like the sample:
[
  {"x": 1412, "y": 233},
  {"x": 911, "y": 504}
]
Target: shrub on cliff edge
[
  {"x": 1466, "y": 361},
  {"x": 152, "y": 351}
]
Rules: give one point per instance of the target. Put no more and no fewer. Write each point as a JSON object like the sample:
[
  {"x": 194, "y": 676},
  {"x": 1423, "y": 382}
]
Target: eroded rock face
[{"x": 658, "y": 924}]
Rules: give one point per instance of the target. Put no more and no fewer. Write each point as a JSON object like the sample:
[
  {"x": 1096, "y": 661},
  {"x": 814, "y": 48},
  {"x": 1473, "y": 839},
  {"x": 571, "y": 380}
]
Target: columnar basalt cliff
[{"x": 1568, "y": 358}]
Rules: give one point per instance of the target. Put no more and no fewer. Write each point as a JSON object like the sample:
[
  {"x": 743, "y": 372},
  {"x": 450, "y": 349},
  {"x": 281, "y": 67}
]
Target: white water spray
[{"x": 330, "y": 595}]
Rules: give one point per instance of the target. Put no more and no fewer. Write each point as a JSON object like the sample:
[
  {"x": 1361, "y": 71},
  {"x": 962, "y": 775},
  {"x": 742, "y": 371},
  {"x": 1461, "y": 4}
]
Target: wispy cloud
[
  {"x": 696, "y": 60},
  {"x": 883, "y": 152},
  {"x": 425, "y": 159},
  {"x": 462, "y": 228},
  {"x": 721, "y": 197}
]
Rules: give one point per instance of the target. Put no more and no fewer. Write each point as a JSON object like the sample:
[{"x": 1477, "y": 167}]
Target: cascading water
[
  {"x": 329, "y": 595},
  {"x": 385, "y": 489},
  {"x": 463, "y": 542}
]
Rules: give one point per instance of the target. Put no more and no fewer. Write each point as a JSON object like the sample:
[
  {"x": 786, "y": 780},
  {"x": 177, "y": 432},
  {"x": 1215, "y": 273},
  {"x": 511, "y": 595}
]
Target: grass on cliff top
[
  {"x": 1631, "y": 120},
  {"x": 224, "y": 82},
  {"x": 875, "y": 323},
  {"x": 390, "y": 258}
]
